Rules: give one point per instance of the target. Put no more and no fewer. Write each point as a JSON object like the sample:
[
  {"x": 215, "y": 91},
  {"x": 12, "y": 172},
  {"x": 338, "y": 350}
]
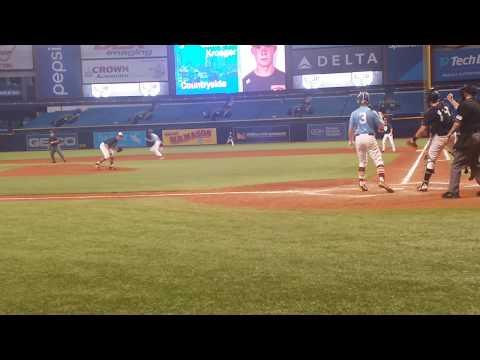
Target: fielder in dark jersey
[
  {"x": 108, "y": 147},
  {"x": 55, "y": 147},
  {"x": 265, "y": 77},
  {"x": 437, "y": 122}
]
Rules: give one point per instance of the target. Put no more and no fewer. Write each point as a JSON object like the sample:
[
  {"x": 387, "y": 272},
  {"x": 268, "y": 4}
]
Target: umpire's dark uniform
[
  {"x": 55, "y": 147},
  {"x": 469, "y": 118}
]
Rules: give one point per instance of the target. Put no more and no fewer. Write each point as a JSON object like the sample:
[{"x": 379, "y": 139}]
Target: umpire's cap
[
  {"x": 363, "y": 96},
  {"x": 469, "y": 89},
  {"x": 433, "y": 96}
]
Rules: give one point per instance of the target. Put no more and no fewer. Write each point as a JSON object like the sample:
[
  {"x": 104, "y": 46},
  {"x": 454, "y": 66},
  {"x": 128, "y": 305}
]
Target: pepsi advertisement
[
  {"x": 58, "y": 71},
  {"x": 456, "y": 64},
  {"x": 227, "y": 69},
  {"x": 404, "y": 63}
]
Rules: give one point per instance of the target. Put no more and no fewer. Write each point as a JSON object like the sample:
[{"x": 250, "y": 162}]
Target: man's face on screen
[{"x": 264, "y": 54}]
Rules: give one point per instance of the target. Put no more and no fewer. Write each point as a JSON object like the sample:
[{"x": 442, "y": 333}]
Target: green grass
[
  {"x": 168, "y": 256},
  {"x": 190, "y": 174},
  {"x": 171, "y": 256},
  {"x": 182, "y": 149}
]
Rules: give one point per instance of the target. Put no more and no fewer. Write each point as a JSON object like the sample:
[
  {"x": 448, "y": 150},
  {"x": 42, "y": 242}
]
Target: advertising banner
[
  {"x": 404, "y": 63},
  {"x": 336, "y": 60},
  {"x": 16, "y": 57},
  {"x": 125, "y": 89},
  {"x": 124, "y": 71},
  {"x": 456, "y": 64},
  {"x": 58, "y": 71},
  {"x": 10, "y": 87},
  {"x": 123, "y": 51},
  {"x": 204, "y": 136},
  {"x": 131, "y": 139},
  {"x": 262, "y": 134},
  {"x": 327, "y": 132},
  {"x": 215, "y": 69},
  {"x": 40, "y": 141}
]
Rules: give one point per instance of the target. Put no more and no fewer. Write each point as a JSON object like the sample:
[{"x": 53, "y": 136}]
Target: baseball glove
[
  {"x": 119, "y": 149},
  {"x": 412, "y": 143}
]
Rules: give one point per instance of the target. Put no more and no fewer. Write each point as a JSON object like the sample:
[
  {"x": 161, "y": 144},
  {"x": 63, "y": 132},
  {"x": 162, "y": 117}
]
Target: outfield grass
[
  {"x": 170, "y": 256},
  {"x": 181, "y": 149},
  {"x": 190, "y": 174}
]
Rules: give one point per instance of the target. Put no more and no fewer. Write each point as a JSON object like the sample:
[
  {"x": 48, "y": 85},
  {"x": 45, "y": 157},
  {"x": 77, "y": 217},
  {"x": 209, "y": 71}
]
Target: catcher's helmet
[
  {"x": 433, "y": 96},
  {"x": 469, "y": 89},
  {"x": 363, "y": 96}
]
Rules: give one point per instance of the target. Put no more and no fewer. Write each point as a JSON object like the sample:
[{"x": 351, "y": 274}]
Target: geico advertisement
[
  {"x": 58, "y": 71},
  {"x": 123, "y": 51},
  {"x": 40, "y": 142},
  {"x": 190, "y": 136},
  {"x": 124, "y": 71}
]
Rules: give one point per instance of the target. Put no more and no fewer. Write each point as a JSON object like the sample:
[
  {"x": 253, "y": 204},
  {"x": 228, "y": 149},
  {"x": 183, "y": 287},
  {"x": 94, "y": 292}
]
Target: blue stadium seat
[{"x": 46, "y": 120}]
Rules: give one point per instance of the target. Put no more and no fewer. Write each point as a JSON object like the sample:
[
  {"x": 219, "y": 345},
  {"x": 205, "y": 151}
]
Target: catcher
[
  {"x": 108, "y": 149},
  {"x": 437, "y": 121}
]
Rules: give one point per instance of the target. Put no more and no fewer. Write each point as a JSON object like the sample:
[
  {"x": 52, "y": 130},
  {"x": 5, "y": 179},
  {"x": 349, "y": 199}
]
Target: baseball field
[{"x": 253, "y": 229}]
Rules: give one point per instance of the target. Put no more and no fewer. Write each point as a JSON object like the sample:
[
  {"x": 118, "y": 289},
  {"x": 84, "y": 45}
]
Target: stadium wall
[{"x": 248, "y": 131}]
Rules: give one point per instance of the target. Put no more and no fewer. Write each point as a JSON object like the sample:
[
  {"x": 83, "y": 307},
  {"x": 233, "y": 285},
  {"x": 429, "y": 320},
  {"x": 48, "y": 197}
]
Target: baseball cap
[{"x": 120, "y": 133}]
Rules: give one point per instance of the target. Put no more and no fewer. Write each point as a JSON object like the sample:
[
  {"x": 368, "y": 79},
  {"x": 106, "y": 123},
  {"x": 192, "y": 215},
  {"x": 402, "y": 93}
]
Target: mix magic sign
[
  {"x": 456, "y": 65},
  {"x": 123, "y": 51},
  {"x": 336, "y": 60},
  {"x": 206, "y": 136}
]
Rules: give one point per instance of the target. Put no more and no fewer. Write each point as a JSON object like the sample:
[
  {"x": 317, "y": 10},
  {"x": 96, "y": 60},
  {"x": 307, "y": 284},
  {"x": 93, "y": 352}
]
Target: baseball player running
[
  {"x": 157, "y": 147},
  {"x": 387, "y": 133},
  {"x": 108, "y": 148},
  {"x": 439, "y": 121},
  {"x": 361, "y": 131},
  {"x": 230, "y": 139},
  {"x": 54, "y": 147}
]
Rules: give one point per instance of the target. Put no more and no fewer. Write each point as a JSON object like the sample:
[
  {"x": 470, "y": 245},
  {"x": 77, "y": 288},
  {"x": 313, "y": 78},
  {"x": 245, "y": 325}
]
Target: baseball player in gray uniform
[
  {"x": 55, "y": 147},
  {"x": 157, "y": 145}
]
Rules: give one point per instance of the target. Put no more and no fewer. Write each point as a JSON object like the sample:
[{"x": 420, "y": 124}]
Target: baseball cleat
[
  {"x": 423, "y": 187},
  {"x": 111, "y": 167},
  {"x": 363, "y": 187},
  {"x": 386, "y": 187},
  {"x": 97, "y": 165},
  {"x": 450, "y": 195}
]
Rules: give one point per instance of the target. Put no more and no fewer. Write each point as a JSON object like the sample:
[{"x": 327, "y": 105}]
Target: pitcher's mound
[{"x": 60, "y": 169}]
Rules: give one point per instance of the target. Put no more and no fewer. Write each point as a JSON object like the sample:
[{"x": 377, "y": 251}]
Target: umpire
[
  {"x": 467, "y": 122},
  {"x": 54, "y": 146}
]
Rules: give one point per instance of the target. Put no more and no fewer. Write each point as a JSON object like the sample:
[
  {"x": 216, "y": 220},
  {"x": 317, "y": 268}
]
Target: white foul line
[
  {"x": 410, "y": 173},
  {"x": 131, "y": 196}
]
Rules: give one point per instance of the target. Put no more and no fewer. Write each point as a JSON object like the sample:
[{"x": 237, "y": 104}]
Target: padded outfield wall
[{"x": 251, "y": 131}]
